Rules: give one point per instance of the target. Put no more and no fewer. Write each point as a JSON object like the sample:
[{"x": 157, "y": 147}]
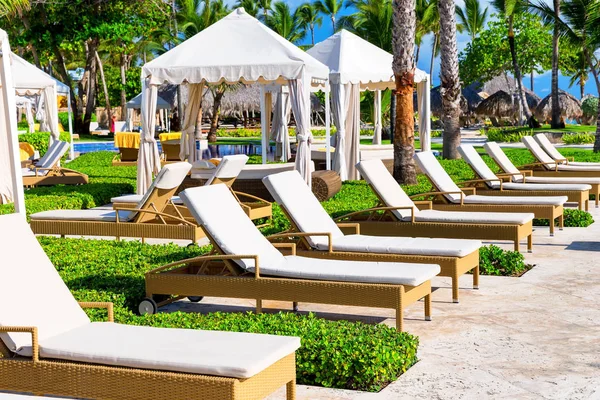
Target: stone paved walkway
[{"x": 533, "y": 337}]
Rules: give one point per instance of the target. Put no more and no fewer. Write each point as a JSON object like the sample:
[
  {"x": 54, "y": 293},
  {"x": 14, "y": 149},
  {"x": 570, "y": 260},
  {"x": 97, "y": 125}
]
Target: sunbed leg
[
  {"x": 561, "y": 222},
  {"x": 454, "y": 290},
  {"x": 143, "y": 240},
  {"x": 587, "y": 205},
  {"x": 476, "y": 277},
  {"x": 400, "y": 310},
  {"x": 530, "y": 243},
  {"x": 516, "y": 245},
  {"x": 290, "y": 389},
  {"x": 258, "y": 306},
  {"x": 427, "y": 300},
  {"x": 295, "y": 306},
  {"x": 551, "y": 226},
  {"x": 62, "y": 236}
]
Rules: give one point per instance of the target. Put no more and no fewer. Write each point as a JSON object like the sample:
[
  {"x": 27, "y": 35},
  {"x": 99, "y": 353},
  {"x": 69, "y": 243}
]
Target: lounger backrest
[
  {"x": 162, "y": 189},
  {"x": 32, "y": 294},
  {"x": 54, "y": 154},
  {"x": 228, "y": 170},
  {"x": 548, "y": 147},
  {"x": 49, "y": 152},
  {"x": 538, "y": 152},
  {"x": 218, "y": 212},
  {"x": 493, "y": 150},
  {"x": 291, "y": 192},
  {"x": 436, "y": 173},
  {"x": 386, "y": 187},
  {"x": 470, "y": 155}
]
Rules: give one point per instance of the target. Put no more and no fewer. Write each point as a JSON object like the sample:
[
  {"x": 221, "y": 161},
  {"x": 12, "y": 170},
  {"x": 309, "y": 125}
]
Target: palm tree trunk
[
  {"x": 531, "y": 81},
  {"x": 581, "y": 88},
  {"x": 91, "y": 69},
  {"x": 417, "y": 54},
  {"x": 333, "y": 22},
  {"x": 450, "y": 81},
  {"x": 123, "y": 83},
  {"x": 597, "y": 80},
  {"x": 104, "y": 87},
  {"x": 555, "y": 122},
  {"x": 517, "y": 71},
  {"x": 312, "y": 33},
  {"x": 403, "y": 39},
  {"x": 433, "y": 50},
  {"x": 214, "y": 120}
]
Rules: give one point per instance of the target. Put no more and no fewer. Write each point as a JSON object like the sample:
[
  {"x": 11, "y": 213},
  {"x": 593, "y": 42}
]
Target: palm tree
[
  {"x": 450, "y": 90},
  {"x": 330, "y": 8},
  {"x": 194, "y": 16},
  {"x": 472, "y": 18},
  {"x": 372, "y": 21},
  {"x": 508, "y": 9},
  {"x": 403, "y": 65},
  {"x": 12, "y": 8},
  {"x": 421, "y": 9},
  {"x": 578, "y": 24},
  {"x": 580, "y": 76},
  {"x": 286, "y": 23},
  {"x": 309, "y": 15},
  {"x": 250, "y": 6}
]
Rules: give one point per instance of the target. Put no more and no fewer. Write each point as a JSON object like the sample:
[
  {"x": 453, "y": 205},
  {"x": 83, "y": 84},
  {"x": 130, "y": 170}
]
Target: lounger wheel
[
  {"x": 195, "y": 299},
  {"x": 148, "y": 307}
]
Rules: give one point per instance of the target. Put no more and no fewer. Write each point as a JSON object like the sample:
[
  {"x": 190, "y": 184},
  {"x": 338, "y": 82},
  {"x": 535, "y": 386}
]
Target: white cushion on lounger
[
  {"x": 136, "y": 198},
  {"x": 473, "y": 217},
  {"x": 410, "y": 274},
  {"x": 30, "y": 172},
  {"x": 219, "y": 213},
  {"x": 532, "y": 200},
  {"x": 83, "y": 215},
  {"x": 549, "y": 148},
  {"x": 433, "y": 169},
  {"x": 556, "y": 179},
  {"x": 538, "y": 152},
  {"x": 547, "y": 186},
  {"x": 578, "y": 167},
  {"x": 290, "y": 190},
  {"x": 231, "y": 354},
  {"x": 405, "y": 245},
  {"x": 470, "y": 155},
  {"x": 229, "y": 167},
  {"x": 33, "y": 294},
  {"x": 493, "y": 150},
  {"x": 386, "y": 187}
]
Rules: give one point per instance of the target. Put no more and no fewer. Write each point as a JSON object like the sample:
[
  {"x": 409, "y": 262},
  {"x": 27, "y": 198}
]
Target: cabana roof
[
  {"x": 238, "y": 48},
  {"x": 351, "y": 59},
  {"x": 502, "y": 105},
  {"x": 570, "y": 107},
  {"x": 30, "y": 80}
]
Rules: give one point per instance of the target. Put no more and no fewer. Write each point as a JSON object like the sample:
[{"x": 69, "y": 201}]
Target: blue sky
[{"x": 541, "y": 82}]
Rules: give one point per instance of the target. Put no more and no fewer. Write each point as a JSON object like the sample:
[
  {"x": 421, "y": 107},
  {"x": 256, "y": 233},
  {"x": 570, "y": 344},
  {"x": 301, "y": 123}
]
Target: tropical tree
[
  {"x": 508, "y": 9},
  {"x": 331, "y": 8},
  {"x": 403, "y": 65},
  {"x": 11, "y": 8},
  {"x": 309, "y": 15},
  {"x": 471, "y": 18},
  {"x": 250, "y": 6},
  {"x": 372, "y": 21},
  {"x": 422, "y": 10},
  {"x": 286, "y": 23},
  {"x": 193, "y": 16},
  {"x": 430, "y": 23},
  {"x": 450, "y": 81}
]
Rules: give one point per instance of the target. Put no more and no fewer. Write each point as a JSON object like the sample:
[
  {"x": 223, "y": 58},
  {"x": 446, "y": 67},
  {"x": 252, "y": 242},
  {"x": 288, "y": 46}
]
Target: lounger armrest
[
  {"x": 460, "y": 192},
  {"x": 537, "y": 164},
  {"x": 478, "y": 181},
  {"x": 526, "y": 172},
  {"x": 304, "y": 234},
  {"x": 35, "y": 348},
  {"x": 472, "y": 190},
  {"x": 157, "y": 213},
  {"x": 354, "y": 225},
  {"x": 211, "y": 257},
  {"x": 108, "y": 306},
  {"x": 251, "y": 197},
  {"x": 427, "y": 203},
  {"x": 375, "y": 209},
  {"x": 560, "y": 160},
  {"x": 291, "y": 246}
]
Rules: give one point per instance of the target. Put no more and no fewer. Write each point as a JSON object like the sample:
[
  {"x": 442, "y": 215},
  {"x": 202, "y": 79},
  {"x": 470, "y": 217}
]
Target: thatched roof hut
[
  {"x": 502, "y": 105},
  {"x": 570, "y": 107},
  {"x": 469, "y": 100}
]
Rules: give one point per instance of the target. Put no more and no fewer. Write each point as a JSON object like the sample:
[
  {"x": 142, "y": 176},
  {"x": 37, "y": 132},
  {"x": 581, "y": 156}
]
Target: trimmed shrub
[
  {"x": 578, "y": 138},
  {"x": 338, "y": 354},
  {"x": 495, "y": 261},
  {"x": 589, "y": 106},
  {"x": 508, "y": 135},
  {"x": 40, "y": 140},
  {"x": 573, "y": 218}
]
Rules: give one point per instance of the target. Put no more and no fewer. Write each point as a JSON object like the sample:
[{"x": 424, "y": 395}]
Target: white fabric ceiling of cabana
[
  {"x": 238, "y": 48},
  {"x": 11, "y": 180},
  {"x": 356, "y": 64}
]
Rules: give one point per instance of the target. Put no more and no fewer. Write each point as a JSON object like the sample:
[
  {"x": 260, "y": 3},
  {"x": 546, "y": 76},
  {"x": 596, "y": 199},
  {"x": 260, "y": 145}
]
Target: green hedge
[
  {"x": 255, "y": 132},
  {"x": 578, "y": 138},
  {"x": 338, "y": 354},
  {"x": 508, "y": 135},
  {"x": 495, "y": 261},
  {"x": 573, "y": 218},
  {"x": 40, "y": 140}
]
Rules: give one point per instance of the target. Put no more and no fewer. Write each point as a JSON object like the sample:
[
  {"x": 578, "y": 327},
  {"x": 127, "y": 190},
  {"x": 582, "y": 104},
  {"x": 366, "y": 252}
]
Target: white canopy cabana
[
  {"x": 356, "y": 65},
  {"x": 136, "y": 104},
  {"x": 238, "y": 48},
  {"x": 11, "y": 180},
  {"x": 29, "y": 81}
]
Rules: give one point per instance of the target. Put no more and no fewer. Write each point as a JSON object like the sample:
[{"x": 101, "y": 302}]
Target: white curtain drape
[
  {"x": 188, "y": 130},
  {"x": 377, "y": 117},
  {"x": 29, "y": 118},
  {"x": 352, "y": 130},
  {"x": 11, "y": 180},
  {"x": 301, "y": 108},
  {"x": 148, "y": 158},
  {"x": 129, "y": 120},
  {"x": 51, "y": 107},
  {"x": 279, "y": 126},
  {"x": 424, "y": 106},
  {"x": 40, "y": 112},
  {"x": 338, "y": 111}
]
